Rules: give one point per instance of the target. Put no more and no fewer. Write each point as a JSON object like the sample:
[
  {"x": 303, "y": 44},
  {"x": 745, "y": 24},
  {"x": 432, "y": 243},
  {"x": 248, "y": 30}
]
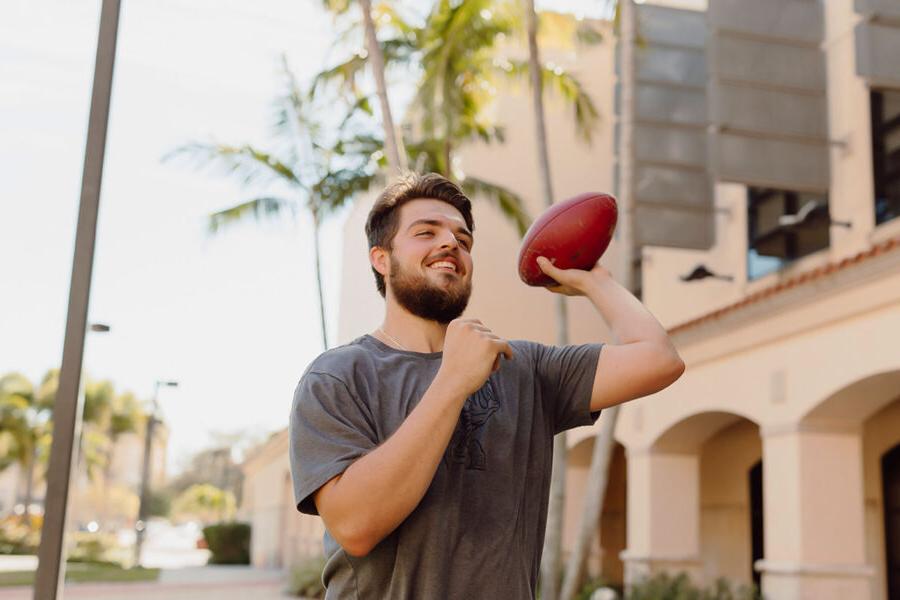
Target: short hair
[{"x": 384, "y": 218}]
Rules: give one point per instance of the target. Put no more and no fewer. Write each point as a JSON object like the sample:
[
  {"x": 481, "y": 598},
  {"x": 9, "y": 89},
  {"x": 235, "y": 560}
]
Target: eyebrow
[{"x": 436, "y": 223}]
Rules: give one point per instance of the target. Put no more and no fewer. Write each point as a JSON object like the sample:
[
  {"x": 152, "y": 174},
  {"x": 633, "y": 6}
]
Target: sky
[{"x": 233, "y": 317}]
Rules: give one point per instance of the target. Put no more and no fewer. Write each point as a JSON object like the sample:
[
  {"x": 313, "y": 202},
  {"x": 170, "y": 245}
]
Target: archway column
[
  {"x": 663, "y": 514},
  {"x": 814, "y": 513}
]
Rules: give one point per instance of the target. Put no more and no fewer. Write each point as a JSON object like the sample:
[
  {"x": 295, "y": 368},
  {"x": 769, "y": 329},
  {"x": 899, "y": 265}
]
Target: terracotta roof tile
[{"x": 792, "y": 282}]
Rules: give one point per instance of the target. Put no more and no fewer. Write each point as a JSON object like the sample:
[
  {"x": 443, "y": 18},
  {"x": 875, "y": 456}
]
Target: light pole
[
  {"x": 140, "y": 527},
  {"x": 51, "y": 568}
]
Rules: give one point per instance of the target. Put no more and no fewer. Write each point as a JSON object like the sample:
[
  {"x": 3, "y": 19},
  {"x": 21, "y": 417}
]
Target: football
[{"x": 572, "y": 234}]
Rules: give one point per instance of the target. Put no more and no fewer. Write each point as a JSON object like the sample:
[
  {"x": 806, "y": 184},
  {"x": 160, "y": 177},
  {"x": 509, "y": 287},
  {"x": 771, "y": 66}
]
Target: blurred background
[{"x": 754, "y": 148}]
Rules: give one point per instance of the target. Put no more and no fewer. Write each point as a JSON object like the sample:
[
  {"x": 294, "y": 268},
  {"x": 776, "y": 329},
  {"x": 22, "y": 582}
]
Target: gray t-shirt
[{"x": 479, "y": 529}]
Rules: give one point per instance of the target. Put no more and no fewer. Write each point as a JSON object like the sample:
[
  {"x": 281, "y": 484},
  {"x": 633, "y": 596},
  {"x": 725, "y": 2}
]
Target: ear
[{"x": 380, "y": 260}]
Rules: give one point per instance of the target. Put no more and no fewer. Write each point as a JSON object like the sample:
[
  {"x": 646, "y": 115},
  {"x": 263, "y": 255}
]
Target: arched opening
[
  {"x": 871, "y": 406},
  {"x": 731, "y": 503},
  {"x": 718, "y": 495},
  {"x": 890, "y": 478},
  {"x": 604, "y": 555}
]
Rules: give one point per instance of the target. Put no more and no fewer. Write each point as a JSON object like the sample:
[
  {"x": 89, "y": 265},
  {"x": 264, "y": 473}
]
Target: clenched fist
[{"x": 471, "y": 353}]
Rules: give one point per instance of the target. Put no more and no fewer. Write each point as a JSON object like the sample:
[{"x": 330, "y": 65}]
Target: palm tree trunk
[
  {"x": 594, "y": 494},
  {"x": 29, "y": 480},
  {"x": 551, "y": 555},
  {"x": 107, "y": 476},
  {"x": 598, "y": 474},
  {"x": 393, "y": 141},
  {"x": 319, "y": 286}
]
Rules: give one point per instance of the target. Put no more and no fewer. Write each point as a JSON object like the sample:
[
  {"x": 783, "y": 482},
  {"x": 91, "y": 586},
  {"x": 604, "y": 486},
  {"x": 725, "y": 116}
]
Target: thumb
[{"x": 546, "y": 266}]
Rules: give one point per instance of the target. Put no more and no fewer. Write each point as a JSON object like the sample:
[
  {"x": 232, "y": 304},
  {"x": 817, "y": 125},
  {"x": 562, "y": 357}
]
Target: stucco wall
[
  {"x": 725, "y": 463},
  {"x": 880, "y": 434}
]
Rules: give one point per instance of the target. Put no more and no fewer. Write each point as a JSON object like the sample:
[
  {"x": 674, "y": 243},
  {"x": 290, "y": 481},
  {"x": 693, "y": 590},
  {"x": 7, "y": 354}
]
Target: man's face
[{"x": 430, "y": 271}]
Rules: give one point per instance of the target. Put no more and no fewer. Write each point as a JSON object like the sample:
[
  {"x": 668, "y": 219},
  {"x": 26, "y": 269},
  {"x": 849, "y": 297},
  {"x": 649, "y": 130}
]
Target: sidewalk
[{"x": 193, "y": 583}]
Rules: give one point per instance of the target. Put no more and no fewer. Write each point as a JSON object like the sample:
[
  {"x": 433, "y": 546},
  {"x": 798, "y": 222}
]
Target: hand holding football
[{"x": 572, "y": 234}]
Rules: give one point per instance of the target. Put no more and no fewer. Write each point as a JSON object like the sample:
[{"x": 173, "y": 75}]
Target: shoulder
[
  {"x": 340, "y": 362},
  {"x": 335, "y": 371},
  {"x": 330, "y": 381}
]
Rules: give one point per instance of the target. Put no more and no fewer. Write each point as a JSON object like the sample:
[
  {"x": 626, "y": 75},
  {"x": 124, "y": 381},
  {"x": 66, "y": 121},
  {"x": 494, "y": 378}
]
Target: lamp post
[
  {"x": 51, "y": 568},
  {"x": 140, "y": 527}
]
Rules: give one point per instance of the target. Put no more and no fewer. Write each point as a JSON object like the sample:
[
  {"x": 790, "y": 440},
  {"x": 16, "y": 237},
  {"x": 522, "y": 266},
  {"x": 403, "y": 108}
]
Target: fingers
[
  {"x": 498, "y": 344},
  {"x": 503, "y": 348}
]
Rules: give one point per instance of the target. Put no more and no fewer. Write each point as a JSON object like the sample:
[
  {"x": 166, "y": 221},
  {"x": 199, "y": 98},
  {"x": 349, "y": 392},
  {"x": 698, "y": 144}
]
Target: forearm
[
  {"x": 378, "y": 491},
  {"x": 628, "y": 319}
]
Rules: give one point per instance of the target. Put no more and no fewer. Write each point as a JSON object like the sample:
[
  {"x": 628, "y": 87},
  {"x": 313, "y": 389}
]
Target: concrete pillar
[
  {"x": 849, "y": 126},
  {"x": 663, "y": 514},
  {"x": 814, "y": 515}
]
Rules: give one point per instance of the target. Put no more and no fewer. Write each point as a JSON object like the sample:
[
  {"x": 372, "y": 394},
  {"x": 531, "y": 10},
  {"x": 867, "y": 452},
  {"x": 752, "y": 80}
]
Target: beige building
[{"x": 776, "y": 457}]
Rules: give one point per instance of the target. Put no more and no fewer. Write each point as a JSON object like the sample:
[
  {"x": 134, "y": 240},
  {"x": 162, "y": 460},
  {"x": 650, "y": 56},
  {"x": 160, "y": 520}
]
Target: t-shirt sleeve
[
  {"x": 566, "y": 375},
  {"x": 330, "y": 428}
]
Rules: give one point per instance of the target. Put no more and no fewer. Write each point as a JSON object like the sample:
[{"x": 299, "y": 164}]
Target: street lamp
[
  {"x": 140, "y": 527},
  {"x": 702, "y": 272}
]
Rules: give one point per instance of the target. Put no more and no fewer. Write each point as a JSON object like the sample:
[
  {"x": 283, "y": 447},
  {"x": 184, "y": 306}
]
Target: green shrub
[
  {"x": 229, "y": 543},
  {"x": 665, "y": 586},
  {"x": 589, "y": 587},
  {"x": 96, "y": 548},
  {"x": 20, "y": 535},
  {"x": 306, "y": 578}
]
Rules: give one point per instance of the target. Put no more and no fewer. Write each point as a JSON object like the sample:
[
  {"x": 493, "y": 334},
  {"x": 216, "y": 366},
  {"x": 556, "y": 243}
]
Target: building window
[
  {"x": 886, "y": 153},
  {"x": 784, "y": 225}
]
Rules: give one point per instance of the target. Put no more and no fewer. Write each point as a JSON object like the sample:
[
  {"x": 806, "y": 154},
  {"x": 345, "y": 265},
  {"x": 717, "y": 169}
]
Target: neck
[{"x": 415, "y": 333}]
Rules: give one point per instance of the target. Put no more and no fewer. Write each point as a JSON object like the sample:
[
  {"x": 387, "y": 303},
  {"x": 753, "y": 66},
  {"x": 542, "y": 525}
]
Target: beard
[{"x": 422, "y": 298}]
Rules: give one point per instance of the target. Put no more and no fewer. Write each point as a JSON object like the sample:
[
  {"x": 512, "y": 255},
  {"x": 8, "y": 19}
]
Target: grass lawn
[{"x": 85, "y": 572}]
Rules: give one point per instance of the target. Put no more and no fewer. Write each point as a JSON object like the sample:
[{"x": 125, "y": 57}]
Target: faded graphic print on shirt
[{"x": 465, "y": 446}]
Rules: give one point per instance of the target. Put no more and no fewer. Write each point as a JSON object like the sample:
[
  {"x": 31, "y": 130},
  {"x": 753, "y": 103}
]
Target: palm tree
[
  {"x": 124, "y": 416},
  {"x": 316, "y": 166},
  {"x": 550, "y": 555},
  {"x": 393, "y": 141},
  {"x": 455, "y": 51},
  {"x": 598, "y": 474},
  {"x": 25, "y": 412}
]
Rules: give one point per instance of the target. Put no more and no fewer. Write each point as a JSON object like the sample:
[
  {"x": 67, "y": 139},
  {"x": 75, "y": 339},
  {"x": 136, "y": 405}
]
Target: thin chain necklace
[{"x": 393, "y": 339}]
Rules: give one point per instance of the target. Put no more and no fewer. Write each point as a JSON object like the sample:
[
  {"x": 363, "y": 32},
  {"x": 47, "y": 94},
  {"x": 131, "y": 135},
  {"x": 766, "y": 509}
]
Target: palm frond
[
  {"x": 344, "y": 74},
  {"x": 587, "y": 35},
  {"x": 567, "y": 86},
  {"x": 386, "y": 15},
  {"x": 337, "y": 7},
  {"x": 256, "y": 209},
  {"x": 509, "y": 203},
  {"x": 249, "y": 164},
  {"x": 339, "y": 187},
  {"x": 427, "y": 156},
  {"x": 15, "y": 384},
  {"x": 362, "y": 104},
  {"x": 292, "y": 119}
]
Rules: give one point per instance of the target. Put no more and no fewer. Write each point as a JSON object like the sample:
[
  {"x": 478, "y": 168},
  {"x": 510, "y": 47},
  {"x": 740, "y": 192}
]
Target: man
[{"x": 426, "y": 446}]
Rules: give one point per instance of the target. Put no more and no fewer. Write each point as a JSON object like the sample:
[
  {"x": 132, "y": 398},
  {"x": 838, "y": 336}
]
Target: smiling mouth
[{"x": 445, "y": 266}]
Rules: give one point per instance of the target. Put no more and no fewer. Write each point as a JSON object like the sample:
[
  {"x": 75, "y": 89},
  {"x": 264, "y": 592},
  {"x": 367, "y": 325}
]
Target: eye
[
  {"x": 421, "y": 233},
  {"x": 463, "y": 242}
]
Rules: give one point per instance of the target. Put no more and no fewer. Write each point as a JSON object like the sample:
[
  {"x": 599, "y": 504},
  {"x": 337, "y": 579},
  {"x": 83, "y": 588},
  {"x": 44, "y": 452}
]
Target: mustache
[{"x": 444, "y": 254}]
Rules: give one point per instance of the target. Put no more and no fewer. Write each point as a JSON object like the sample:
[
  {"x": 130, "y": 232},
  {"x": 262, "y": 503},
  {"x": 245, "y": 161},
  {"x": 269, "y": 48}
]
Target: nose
[{"x": 448, "y": 240}]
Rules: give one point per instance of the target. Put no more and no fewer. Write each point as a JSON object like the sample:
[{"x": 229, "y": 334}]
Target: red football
[{"x": 573, "y": 234}]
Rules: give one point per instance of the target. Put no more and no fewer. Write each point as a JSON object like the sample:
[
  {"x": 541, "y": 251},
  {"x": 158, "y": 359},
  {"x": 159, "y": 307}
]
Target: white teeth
[{"x": 442, "y": 264}]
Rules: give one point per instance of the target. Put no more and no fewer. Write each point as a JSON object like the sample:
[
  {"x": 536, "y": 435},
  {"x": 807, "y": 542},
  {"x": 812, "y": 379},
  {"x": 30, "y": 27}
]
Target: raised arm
[
  {"x": 642, "y": 360},
  {"x": 366, "y": 502}
]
